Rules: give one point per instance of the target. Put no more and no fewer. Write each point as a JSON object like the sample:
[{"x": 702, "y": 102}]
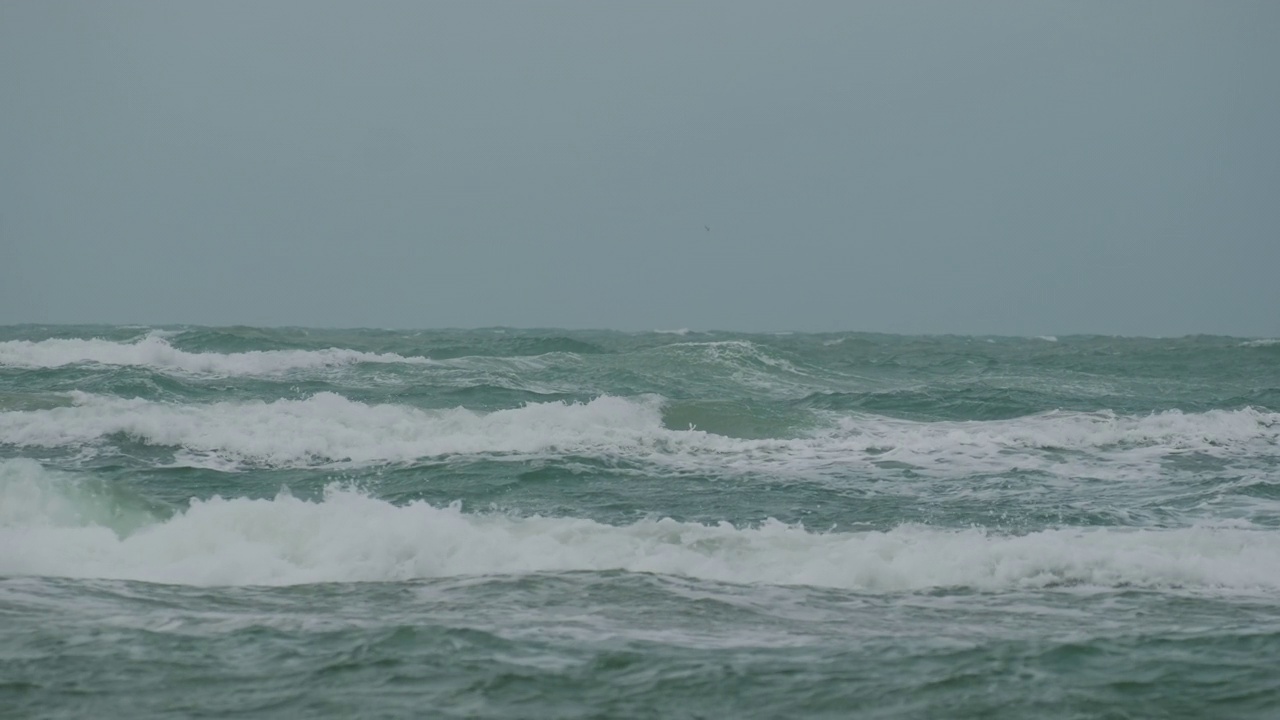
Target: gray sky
[{"x": 977, "y": 167}]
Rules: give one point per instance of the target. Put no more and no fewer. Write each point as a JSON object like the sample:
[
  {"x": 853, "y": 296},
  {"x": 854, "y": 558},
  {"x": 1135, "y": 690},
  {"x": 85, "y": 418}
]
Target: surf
[{"x": 51, "y": 526}]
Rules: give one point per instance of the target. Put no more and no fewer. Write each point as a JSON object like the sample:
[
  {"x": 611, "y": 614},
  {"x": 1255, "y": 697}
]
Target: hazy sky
[{"x": 969, "y": 167}]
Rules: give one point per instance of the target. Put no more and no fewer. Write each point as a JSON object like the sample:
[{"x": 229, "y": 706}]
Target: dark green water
[{"x": 522, "y": 524}]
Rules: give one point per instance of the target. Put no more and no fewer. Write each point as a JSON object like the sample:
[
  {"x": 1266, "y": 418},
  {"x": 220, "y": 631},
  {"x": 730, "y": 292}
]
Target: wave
[
  {"x": 49, "y": 528},
  {"x": 754, "y": 366},
  {"x": 328, "y": 429},
  {"x": 154, "y": 351},
  {"x": 732, "y": 352}
]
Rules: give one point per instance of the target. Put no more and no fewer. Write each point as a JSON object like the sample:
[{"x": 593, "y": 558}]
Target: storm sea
[{"x": 502, "y": 523}]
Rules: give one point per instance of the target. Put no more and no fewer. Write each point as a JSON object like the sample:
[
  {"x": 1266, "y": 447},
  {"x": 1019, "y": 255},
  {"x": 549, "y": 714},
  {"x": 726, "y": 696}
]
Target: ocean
[{"x": 503, "y": 523}]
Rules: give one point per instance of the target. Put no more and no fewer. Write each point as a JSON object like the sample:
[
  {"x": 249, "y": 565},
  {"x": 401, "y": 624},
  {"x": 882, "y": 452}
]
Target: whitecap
[
  {"x": 329, "y": 429},
  {"x": 349, "y": 536},
  {"x": 154, "y": 351}
]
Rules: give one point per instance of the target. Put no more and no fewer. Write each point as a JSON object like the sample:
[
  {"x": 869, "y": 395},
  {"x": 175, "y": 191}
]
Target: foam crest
[
  {"x": 349, "y": 536},
  {"x": 31, "y": 494},
  {"x": 1211, "y": 432},
  {"x": 328, "y": 428},
  {"x": 154, "y": 351},
  {"x": 28, "y": 492}
]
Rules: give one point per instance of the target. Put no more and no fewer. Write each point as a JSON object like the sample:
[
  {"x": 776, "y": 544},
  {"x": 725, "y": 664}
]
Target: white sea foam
[
  {"x": 329, "y": 429},
  {"x": 154, "y": 351},
  {"x": 1261, "y": 342},
  {"x": 349, "y": 536}
]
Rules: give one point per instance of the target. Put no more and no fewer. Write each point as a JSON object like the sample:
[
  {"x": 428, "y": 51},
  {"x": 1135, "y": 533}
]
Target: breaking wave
[
  {"x": 154, "y": 351},
  {"x": 327, "y": 429},
  {"x": 48, "y": 527}
]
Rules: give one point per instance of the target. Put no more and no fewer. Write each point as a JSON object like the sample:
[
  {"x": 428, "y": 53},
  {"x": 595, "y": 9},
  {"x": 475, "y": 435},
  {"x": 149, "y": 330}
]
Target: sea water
[{"x": 503, "y": 523}]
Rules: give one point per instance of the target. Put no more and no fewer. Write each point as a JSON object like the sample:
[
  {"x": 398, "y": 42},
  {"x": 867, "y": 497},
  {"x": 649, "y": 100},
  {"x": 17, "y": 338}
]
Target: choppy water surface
[{"x": 514, "y": 523}]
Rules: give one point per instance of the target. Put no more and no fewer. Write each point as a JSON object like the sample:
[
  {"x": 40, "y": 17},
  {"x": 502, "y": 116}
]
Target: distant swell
[
  {"x": 155, "y": 352},
  {"x": 349, "y": 536}
]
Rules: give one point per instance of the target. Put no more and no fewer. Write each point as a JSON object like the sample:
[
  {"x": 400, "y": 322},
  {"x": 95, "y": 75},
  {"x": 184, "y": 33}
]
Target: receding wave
[
  {"x": 154, "y": 351},
  {"x": 328, "y": 428},
  {"x": 49, "y": 528}
]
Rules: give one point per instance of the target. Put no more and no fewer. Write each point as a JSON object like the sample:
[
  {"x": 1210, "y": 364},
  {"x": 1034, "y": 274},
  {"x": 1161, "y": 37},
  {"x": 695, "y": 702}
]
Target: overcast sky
[{"x": 915, "y": 167}]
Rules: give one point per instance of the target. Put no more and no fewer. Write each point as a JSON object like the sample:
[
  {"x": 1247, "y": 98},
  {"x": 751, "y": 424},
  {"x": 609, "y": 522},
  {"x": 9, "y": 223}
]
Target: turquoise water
[{"x": 543, "y": 523}]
